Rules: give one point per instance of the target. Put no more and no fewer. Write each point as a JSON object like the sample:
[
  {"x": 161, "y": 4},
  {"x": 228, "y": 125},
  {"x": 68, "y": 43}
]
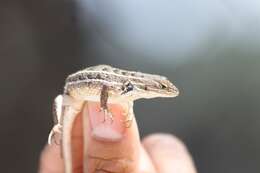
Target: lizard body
[{"x": 105, "y": 84}]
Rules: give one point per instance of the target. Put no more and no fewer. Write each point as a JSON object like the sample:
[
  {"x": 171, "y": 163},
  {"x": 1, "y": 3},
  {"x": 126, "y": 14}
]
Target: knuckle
[{"x": 110, "y": 165}]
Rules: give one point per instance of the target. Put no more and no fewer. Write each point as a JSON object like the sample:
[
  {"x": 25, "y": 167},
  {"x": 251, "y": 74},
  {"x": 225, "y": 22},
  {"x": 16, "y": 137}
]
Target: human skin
[{"x": 114, "y": 148}]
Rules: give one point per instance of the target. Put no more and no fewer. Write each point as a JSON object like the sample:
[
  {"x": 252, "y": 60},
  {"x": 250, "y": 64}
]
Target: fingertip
[
  {"x": 168, "y": 153},
  {"x": 109, "y": 146},
  {"x": 165, "y": 139},
  {"x": 145, "y": 163}
]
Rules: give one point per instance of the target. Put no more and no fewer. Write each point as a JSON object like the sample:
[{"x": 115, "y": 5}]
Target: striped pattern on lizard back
[{"x": 95, "y": 77}]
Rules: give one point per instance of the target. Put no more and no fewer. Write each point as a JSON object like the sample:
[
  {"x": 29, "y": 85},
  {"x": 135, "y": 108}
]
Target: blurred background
[{"x": 209, "y": 48}]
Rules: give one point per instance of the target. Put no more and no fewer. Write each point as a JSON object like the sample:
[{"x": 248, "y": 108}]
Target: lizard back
[{"x": 87, "y": 84}]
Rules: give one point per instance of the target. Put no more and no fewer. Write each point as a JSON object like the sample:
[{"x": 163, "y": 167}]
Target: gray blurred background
[{"x": 209, "y": 48}]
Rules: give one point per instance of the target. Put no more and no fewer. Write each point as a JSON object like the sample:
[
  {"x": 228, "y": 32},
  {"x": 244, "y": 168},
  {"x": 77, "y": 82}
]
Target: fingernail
[{"x": 107, "y": 130}]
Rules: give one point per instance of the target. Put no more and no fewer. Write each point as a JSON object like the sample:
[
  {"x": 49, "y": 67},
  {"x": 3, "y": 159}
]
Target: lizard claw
[
  {"x": 128, "y": 123},
  {"x": 107, "y": 114}
]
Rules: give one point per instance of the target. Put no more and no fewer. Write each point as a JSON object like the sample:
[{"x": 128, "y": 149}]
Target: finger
[
  {"x": 145, "y": 163},
  {"x": 50, "y": 160},
  {"x": 168, "y": 154},
  {"x": 108, "y": 146}
]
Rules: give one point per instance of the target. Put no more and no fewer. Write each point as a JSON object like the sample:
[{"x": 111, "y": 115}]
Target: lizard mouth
[
  {"x": 169, "y": 92},
  {"x": 173, "y": 92}
]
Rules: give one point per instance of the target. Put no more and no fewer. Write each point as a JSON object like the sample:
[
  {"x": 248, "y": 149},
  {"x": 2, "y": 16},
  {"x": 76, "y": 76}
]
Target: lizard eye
[{"x": 127, "y": 87}]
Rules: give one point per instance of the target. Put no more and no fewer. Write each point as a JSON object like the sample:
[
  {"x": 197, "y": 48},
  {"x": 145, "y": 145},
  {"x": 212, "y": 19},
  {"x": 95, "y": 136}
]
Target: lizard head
[
  {"x": 149, "y": 88},
  {"x": 161, "y": 88}
]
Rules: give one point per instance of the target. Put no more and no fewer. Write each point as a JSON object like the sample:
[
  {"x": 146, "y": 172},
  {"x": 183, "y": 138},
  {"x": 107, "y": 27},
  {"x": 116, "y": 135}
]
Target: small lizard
[{"x": 105, "y": 84}]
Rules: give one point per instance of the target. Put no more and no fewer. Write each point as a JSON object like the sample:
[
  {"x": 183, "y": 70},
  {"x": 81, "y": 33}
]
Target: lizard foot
[
  {"x": 128, "y": 122},
  {"x": 55, "y": 135},
  {"x": 107, "y": 115}
]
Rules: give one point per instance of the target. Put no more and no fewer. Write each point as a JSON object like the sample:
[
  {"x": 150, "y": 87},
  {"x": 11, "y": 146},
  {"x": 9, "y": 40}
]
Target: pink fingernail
[{"x": 106, "y": 130}]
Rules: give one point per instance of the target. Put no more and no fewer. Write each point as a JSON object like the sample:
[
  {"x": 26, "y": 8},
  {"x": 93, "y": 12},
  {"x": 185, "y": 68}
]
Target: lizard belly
[{"x": 94, "y": 95}]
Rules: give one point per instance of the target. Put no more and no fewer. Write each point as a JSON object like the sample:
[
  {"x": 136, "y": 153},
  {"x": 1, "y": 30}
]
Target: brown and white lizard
[{"x": 104, "y": 84}]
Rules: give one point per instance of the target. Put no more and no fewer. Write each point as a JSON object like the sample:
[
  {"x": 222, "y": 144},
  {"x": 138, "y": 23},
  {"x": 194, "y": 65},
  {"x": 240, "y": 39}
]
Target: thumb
[{"x": 99, "y": 146}]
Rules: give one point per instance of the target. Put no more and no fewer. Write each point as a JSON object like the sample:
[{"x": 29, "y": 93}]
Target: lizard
[{"x": 104, "y": 84}]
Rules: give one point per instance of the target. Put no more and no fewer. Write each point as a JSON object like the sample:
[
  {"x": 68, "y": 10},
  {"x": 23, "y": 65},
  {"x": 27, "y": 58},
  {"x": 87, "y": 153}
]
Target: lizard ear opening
[{"x": 127, "y": 87}]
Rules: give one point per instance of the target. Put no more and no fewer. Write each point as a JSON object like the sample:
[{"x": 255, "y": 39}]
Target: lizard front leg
[{"x": 103, "y": 103}]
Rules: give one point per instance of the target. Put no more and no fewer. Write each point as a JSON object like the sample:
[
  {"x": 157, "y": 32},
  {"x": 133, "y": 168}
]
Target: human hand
[{"x": 114, "y": 148}]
